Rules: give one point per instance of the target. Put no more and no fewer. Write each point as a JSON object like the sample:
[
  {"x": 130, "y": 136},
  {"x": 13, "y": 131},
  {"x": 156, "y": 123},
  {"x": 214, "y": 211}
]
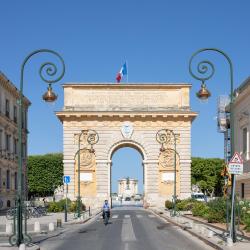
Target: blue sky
[{"x": 156, "y": 37}]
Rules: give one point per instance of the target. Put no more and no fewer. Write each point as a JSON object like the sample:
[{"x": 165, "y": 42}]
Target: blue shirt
[{"x": 106, "y": 207}]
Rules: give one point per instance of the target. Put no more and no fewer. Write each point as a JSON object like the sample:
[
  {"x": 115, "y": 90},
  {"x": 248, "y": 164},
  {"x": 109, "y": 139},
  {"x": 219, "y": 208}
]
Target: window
[
  {"x": 7, "y": 108},
  {"x": 8, "y": 179},
  {"x": 0, "y": 178},
  {"x": 15, "y": 181},
  {"x": 7, "y": 142},
  {"x": 15, "y": 114},
  {"x": 242, "y": 190},
  {"x": 15, "y": 146},
  {"x": 1, "y": 139},
  {"x": 244, "y": 140}
]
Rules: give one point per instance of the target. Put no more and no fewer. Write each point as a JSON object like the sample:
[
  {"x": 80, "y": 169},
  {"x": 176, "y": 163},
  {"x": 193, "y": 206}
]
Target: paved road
[{"x": 129, "y": 229}]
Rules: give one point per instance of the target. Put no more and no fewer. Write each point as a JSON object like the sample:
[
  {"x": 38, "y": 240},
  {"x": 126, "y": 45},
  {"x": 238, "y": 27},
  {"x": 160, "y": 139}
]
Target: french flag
[{"x": 123, "y": 71}]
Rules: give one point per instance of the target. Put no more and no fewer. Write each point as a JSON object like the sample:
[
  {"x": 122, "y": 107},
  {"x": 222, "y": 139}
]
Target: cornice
[
  {"x": 9, "y": 86},
  {"x": 62, "y": 115},
  {"x": 137, "y": 86}
]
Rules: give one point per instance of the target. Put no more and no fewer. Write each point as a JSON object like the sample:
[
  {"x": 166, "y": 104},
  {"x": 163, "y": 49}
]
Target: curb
[
  {"x": 215, "y": 227},
  {"x": 185, "y": 228}
]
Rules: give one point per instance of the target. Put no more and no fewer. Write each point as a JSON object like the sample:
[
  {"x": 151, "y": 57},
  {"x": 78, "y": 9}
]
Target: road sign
[
  {"x": 235, "y": 165},
  {"x": 66, "y": 179}
]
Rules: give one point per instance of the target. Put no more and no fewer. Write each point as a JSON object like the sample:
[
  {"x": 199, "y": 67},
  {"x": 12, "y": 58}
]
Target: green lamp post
[
  {"x": 167, "y": 136},
  {"x": 47, "y": 71},
  {"x": 204, "y": 74}
]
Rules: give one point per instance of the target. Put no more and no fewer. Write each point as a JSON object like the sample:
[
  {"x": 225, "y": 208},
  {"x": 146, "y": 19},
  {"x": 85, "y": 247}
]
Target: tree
[
  {"x": 45, "y": 173},
  {"x": 206, "y": 173}
]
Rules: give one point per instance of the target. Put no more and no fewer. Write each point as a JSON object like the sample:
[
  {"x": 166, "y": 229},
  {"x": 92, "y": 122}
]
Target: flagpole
[{"x": 127, "y": 70}]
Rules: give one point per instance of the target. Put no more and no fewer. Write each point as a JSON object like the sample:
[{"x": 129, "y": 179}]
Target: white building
[
  {"x": 9, "y": 141},
  {"x": 241, "y": 111},
  {"x": 127, "y": 187}
]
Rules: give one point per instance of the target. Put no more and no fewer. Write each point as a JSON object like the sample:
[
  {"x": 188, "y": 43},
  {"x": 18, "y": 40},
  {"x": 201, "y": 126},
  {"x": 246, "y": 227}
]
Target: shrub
[
  {"x": 168, "y": 204},
  {"x": 186, "y": 205},
  {"x": 73, "y": 207},
  {"x": 247, "y": 223},
  {"x": 200, "y": 209},
  {"x": 53, "y": 207},
  {"x": 217, "y": 210}
]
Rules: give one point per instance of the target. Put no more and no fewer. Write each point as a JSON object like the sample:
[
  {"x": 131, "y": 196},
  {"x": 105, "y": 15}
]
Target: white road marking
[
  {"x": 139, "y": 216},
  {"x": 126, "y": 246},
  {"x": 127, "y": 231},
  {"x": 127, "y": 216},
  {"x": 151, "y": 216},
  {"x": 115, "y": 216}
]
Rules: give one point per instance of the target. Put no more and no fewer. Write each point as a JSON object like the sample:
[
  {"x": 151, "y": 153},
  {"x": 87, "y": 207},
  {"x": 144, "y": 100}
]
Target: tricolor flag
[{"x": 123, "y": 71}]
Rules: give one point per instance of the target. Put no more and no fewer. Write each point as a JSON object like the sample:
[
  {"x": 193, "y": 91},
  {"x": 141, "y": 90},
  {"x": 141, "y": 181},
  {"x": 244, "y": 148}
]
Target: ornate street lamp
[
  {"x": 202, "y": 68},
  {"x": 166, "y": 136},
  {"x": 90, "y": 137},
  {"x": 50, "y": 70}
]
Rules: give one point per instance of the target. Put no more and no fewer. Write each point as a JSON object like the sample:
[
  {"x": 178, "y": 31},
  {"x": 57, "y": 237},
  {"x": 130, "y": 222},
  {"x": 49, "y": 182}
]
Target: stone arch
[{"x": 127, "y": 143}]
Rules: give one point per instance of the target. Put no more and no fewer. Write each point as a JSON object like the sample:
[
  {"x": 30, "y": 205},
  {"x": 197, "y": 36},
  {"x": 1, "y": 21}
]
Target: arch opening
[{"x": 126, "y": 175}]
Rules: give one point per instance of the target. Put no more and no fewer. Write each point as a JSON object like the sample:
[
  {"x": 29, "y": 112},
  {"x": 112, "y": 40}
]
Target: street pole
[
  {"x": 50, "y": 70},
  {"x": 66, "y": 204},
  {"x": 203, "y": 68}
]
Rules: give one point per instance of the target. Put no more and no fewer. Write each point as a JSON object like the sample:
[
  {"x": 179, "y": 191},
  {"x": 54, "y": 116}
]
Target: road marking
[
  {"x": 127, "y": 216},
  {"x": 126, "y": 247},
  {"x": 115, "y": 216},
  {"x": 151, "y": 216},
  {"x": 127, "y": 231},
  {"x": 139, "y": 216}
]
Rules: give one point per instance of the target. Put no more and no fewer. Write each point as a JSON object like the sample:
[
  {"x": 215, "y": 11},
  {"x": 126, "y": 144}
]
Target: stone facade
[
  {"x": 9, "y": 140},
  {"x": 127, "y": 115},
  {"x": 127, "y": 187},
  {"x": 242, "y": 136}
]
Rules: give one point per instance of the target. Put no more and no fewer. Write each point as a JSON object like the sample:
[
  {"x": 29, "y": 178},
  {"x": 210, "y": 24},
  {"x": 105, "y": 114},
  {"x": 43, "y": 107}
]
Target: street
[{"x": 129, "y": 228}]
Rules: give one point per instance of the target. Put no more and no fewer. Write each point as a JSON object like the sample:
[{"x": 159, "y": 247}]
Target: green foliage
[
  {"x": 186, "y": 205},
  {"x": 247, "y": 223},
  {"x": 45, "y": 173},
  {"x": 200, "y": 209},
  {"x": 59, "y": 206},
  {"x": 217, "y": 210},
  {"x": 53, "y": 207},
  {"x": 168, "y": 204},
  {"x": 206, "y": 173}
]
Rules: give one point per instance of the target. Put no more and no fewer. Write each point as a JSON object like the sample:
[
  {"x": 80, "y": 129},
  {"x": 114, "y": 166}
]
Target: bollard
[
  {"x": 58, "y": 223},
  {"x": 9, "y": 228},
  {"x": 210, "y": 234},
  {"x": 190, "y": 224},
  {"x": 229, "y": 242},
  {"x": 22, "y": 247},
  {"x": 37, "y": 228},
  {"x": 51, "y": 227}
]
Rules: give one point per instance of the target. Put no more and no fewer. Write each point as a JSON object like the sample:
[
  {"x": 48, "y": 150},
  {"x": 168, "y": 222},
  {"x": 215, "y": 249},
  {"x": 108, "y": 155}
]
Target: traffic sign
[
  {"x": 66, "y": 179},
  {"x": 235, "y": 165},
  {"x": 236, "y": 158}
]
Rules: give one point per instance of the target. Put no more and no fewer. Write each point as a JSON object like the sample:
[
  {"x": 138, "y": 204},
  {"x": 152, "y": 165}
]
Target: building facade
[
  {"x": 127, "y": 187},
  {"x": 242, "y": 136},
  {"x": 9, "y": 141},
  {"x": 105, "y": 117}
]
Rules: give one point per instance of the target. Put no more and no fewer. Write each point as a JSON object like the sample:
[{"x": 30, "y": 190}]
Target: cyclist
[{"x": 106, "y": 209}]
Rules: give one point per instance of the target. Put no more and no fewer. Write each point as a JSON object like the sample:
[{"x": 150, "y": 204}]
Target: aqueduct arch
[{"x": 127, "y": 115}]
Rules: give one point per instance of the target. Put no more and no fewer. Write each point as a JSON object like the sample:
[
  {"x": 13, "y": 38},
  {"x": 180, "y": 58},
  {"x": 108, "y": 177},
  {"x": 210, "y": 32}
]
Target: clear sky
[{"x": 95, "y": 37}]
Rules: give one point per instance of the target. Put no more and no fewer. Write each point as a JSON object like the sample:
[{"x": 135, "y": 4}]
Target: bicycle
[{"x": 106, "y": 218}]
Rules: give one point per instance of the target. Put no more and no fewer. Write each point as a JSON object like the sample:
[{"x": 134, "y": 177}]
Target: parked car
[{"x": 199, "y": 197}]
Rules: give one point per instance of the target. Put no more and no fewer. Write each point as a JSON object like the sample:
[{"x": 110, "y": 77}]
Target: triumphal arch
[{"x": 153, "y": 118}]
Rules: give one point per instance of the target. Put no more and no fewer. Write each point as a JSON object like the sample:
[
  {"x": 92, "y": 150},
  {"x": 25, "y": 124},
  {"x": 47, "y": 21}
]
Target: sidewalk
[
  {"x": 44, "y": 228},
  {"x": 212, "y": 236}
]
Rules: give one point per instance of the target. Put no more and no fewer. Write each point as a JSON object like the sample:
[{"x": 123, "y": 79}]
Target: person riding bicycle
[{"x": 105, "y": 209}]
